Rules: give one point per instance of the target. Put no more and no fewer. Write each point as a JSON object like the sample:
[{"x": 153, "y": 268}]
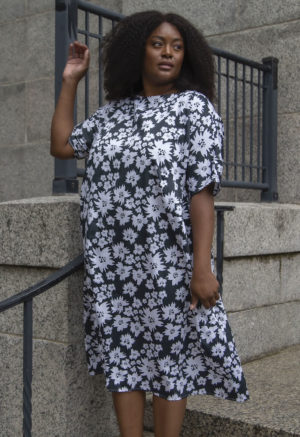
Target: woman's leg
[
  {"x": 129, "y": 407},
  {"x": 168, "y": 416}
]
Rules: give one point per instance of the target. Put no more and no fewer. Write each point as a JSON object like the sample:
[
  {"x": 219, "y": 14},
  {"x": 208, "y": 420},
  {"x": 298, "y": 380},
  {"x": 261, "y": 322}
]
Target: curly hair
[{"x": 123, "y": 54}]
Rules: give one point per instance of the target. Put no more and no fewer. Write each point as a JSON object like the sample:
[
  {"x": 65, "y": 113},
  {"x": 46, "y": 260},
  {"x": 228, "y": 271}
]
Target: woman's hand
[
  {"x": 77, "y": 63},
  {"x": 204, "y": 287}
]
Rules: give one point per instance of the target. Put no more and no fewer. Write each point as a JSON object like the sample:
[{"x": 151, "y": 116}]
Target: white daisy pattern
[{"x": 146, "y": 157}]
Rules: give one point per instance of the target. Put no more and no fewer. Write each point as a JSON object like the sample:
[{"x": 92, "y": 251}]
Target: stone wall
[{"x": 261, "y": 295}]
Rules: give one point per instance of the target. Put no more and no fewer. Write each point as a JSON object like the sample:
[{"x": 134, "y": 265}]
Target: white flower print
[
  {"x": 123, "y": 215},
  {"x": 101, "y": 258},
  {"x": 102, "y": 312},
  {"x": 127, "y": 341},
  {"x": 154, "y": 265},
  {"x": 129, "y": 235},
  {"x": 133, "y": 380},
  {"x": 151, "y": 319},
  {"x": 142, "y": 162},
  {"x": 116, "y": 356},
  {"x": 120, "y": 322},
  {"x": 161, "y": 151},
  {"x": 120, "y": 251},
  {"x": 208, "y": 333},
  {"x": 154, "y": 207},
  {"x": 129, "y": 288},
  {"x": 112, "y": 148},
  {"x": 194, "y": 366},
  {"x": 146, "y": 157},
  {"x": 123, "y": 271},
  {"x": 172, "y": 331},
  {"x": 132, "y": 178},
  {"x": 170, "y": 312},
  {"x": 103, "y": 203},
  {"x": 118, "y": 375},
  {"x": 118, "y": 305},
  {"x": 175, "y": 275},
  {"x": 121, "y": 194},
  {"x": 148, "y": 368}
]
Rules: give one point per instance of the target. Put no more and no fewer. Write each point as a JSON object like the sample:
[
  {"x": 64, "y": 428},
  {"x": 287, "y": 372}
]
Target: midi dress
[{"x": 145, "y": 158}]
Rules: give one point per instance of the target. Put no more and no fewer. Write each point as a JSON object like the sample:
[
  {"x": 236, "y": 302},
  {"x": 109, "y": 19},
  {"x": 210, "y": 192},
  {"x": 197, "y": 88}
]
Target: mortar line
[
  {"x": 262, "y": 306},
  {"x": 263, "y": 26},
  {"x": 40, "y": 339}
]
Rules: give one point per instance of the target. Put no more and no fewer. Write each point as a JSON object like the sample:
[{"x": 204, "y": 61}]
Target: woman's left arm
[{"x": 204, "y": 286}]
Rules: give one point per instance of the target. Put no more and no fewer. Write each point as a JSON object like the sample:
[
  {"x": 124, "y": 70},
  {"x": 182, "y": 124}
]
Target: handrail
[
  {"x": 43, "y": 285},
  {"x": 26, "y": 297}
]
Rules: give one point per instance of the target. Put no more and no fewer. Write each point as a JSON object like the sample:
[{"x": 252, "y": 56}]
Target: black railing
[
  {"x": 26, "y": 297},
  {"x": 246, "y": 100}
]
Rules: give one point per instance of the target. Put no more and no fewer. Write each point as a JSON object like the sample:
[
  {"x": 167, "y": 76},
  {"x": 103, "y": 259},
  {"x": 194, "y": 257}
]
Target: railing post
[
  {"x": 270, "y": 129},
  {"x": 220, "y": 242},
  {"x": 27, "y": 367},
  {"x": 65, "y": 171}
]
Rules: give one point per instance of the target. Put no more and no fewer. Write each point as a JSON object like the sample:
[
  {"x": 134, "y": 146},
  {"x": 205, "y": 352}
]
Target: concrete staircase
[{"x": 273, "y": 408}]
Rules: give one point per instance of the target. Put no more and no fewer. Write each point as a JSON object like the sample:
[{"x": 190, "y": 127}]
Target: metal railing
[
  {"x": 26, "y": 298},
  {"x": 246, "y": 100}
]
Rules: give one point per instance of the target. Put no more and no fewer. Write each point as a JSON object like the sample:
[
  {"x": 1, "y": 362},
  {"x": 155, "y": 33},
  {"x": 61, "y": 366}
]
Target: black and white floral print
[{"x": 146, "y": 157}]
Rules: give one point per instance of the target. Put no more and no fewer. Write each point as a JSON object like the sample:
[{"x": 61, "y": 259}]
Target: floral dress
[{"x": 146, "y": 157}]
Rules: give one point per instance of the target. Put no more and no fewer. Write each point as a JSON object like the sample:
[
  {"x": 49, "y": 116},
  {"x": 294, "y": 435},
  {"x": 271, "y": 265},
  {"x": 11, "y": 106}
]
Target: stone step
[{"x": 272, "y": 411}]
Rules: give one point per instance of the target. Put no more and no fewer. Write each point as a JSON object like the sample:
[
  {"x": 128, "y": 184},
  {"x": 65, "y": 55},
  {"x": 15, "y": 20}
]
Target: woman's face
[{"x": 164, "y": 53}]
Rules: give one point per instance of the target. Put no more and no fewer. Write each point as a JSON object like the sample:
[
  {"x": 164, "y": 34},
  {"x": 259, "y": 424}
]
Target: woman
[{"x": 154, "y": 318}]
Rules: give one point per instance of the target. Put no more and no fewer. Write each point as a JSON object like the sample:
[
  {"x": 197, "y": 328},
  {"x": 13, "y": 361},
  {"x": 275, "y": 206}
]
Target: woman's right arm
[{"x": 62, "y": 121}]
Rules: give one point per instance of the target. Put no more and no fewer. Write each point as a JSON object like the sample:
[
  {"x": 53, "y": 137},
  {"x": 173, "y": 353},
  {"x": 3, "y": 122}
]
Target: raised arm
[
  {"x": 62, "y": 121},
  {"x": 204, "y": 286}
]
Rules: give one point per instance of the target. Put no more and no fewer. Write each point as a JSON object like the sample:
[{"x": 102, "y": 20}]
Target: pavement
[{"x": 272, "y": 411}]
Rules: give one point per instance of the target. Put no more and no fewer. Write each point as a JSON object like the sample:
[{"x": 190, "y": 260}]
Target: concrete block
[
  {"x": 223, "y": 18},
  {"x": 264, "y": 330},
  {"x": 26, "y": 171},
  {"x": 251, "y": 282},
  {"x": 39, "y": 109},
  {"x": 40, "y": 46},
  {"x": 12, "y": 114},
  {"x": 290, "y": 277},
  {"x": 12, "y": 10},
  {"x": 34, "y": 7},
  {"x": 11, "y": 385},
  {"x": 261, "y": 229},
  {"x": 13, "y": 49},
  {"x": 90, "y": 400},
  {"x": 254, "y": 13},
  {"x": 60, "y": 387},
  {"x": 237, "y": 195},
  {"x": 40, "y": 231},
  {"x": 57, "y": 313},
  {"x": 281, "y": 41},
  {"x": 289, "y": 158}
]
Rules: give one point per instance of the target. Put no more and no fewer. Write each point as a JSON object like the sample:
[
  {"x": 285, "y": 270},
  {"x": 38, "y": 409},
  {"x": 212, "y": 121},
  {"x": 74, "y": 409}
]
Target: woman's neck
[{"x": 158, "y": 90}]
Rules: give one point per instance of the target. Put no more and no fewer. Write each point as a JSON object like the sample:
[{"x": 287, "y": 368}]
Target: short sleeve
[
  {"x": 206, "y": 133},
  {"x": 82, "y": 136}
]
